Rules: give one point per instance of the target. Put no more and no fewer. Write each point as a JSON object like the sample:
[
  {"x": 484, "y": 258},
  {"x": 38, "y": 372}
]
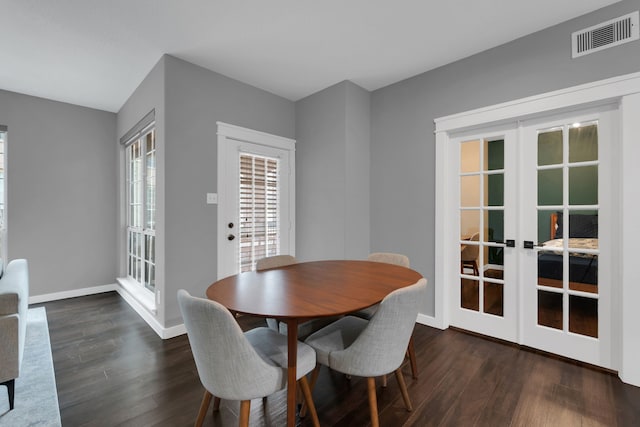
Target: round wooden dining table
[{"x": 307, "y": 290}]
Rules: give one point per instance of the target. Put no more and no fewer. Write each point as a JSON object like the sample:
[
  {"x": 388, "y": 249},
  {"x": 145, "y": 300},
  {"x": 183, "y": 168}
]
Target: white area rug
[{"x": 36, "y": 398}]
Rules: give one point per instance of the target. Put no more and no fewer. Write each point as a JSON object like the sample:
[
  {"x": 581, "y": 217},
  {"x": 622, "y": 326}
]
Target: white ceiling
[{"x": 95, "y": 52}]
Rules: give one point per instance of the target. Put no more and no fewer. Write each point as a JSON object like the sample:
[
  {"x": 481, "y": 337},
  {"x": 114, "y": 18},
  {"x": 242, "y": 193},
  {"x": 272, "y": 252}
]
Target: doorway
[
  {"x": 256, "y": 206},
  {"x": 533, "y": 203}
]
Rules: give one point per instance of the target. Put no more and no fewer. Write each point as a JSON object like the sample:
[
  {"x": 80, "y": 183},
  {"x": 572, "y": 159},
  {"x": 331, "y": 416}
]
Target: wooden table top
[{"x": 311, "y": 289}]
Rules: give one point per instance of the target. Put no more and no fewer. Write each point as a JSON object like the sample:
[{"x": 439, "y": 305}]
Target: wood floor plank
[{"x": 113, "y": 370}]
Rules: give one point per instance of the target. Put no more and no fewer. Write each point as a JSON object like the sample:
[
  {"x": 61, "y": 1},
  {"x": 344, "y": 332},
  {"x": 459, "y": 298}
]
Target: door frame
[
  {"x": 228, "y": 134},
  {"x": 623, "y": 91}
]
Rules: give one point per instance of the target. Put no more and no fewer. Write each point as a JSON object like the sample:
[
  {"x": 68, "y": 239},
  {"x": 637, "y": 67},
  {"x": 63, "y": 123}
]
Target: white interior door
[
  {"x": 484, "y": 296},
  {"x": 519, "y": 192},
  {"x": 256, "y": 206},
  {"x": 566, "y": 227}
]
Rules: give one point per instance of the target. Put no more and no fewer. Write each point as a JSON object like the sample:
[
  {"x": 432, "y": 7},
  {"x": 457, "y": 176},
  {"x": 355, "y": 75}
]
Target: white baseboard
[
  {"x": 423, "y": 319},
  {"x": 147, "y": 316},
  {"x": 37, "y": 299},
  {"x": 164, "y": 333},
  {"x": 175, "y": 331}
]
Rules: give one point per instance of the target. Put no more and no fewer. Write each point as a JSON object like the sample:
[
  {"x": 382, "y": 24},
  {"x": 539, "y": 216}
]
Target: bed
[{"x": 583, "y": 268}]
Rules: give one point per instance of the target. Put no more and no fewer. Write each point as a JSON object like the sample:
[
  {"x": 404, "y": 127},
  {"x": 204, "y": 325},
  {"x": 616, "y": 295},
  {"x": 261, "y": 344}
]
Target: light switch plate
[{"x": 212, "y": 198}]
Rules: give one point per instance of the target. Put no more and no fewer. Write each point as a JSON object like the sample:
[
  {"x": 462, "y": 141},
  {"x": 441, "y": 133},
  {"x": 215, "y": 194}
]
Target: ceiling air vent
[{"x": 605, "y": 35}]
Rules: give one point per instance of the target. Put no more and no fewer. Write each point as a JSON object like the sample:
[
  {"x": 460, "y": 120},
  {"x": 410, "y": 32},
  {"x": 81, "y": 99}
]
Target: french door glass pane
[
  {"x": 470, "y": 191},
  {"x": 494, "y": 155},
  {"x": 470, "y": 156},
  {"x": 550, "y": 309},
  {"x": 547, "y": 227},
  {"x": 469, "y": 294},
  {"x": 550, "y": 187},
  {"x": 583, "y": 315},
  {"x": 583, "y": 143},
  {"x": 583, "y": 229},
  {"x": 494, "y": 225},
  {"x": 583, "y": 185},
  {"x": 550, "y": 147},
  {"x": 469, "y": 222},
  {"x": 494, "y": 189},
  {"x": 494, "y": 298}
]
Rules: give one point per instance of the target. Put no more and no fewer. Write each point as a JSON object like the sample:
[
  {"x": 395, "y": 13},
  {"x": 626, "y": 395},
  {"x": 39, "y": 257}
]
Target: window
[
  {"x": 259, "y": 209},
  {"x": 141, "y": 208}
]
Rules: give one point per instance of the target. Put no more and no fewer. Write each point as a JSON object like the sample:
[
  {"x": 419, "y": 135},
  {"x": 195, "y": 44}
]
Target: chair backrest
[
  {"x": 381, "y": 347},
  {"x": 471, "y": 252},
  {"x": 389, "y": 258},
  {"x": 228, "y": 365},
  {"x": 275, "y": 261}
]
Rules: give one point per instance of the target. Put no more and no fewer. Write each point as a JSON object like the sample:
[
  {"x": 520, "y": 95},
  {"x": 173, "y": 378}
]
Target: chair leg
[
  {"x": 11, "y": 387},
  {"x": 312, "y": 384},
  {"x": 373, "y": 403},
  {"x": 245, "y": 410},
  {"x": 403, "y": 389},
  {"x": 202, "y": 413},
  {"x": 475, "y": 268},
  {"x": 384, "y": 381},
  {"x": 308, "y": 398},
  {"x": 412, "y": 358},
  {"x": 216, "y": 404}
]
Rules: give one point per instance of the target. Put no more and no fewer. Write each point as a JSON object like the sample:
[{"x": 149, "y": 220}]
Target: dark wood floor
[{"x": 112, "y": 369}]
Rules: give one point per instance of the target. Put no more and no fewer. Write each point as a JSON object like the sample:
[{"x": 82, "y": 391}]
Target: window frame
[
  {"x": 144, "y": 225},
  {"x": 3, "y": 194}
]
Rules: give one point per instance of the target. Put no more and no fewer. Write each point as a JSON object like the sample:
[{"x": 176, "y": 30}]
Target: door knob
[
  {"x": 230, "y": 225},
  {"x": 231, "y": 237}
]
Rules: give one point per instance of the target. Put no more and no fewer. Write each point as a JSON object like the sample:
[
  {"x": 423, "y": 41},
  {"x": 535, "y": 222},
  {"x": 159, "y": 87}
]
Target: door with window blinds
[{"x": 256, "y": 204}]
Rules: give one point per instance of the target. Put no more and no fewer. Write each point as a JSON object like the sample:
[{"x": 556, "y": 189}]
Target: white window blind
[{"x": 259, "y": 209}]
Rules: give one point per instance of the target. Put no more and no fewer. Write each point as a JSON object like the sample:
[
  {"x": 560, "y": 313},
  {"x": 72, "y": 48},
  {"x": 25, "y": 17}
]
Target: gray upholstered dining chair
[
  {"x": 367, "y": 313},
  {"x": 373, "y": 348},
  {"x": 305, "y": 328},
  {"x": 274, "y": 262},
  {"x": 239, "y": 366},
  {"x": 389, "y": 258}
]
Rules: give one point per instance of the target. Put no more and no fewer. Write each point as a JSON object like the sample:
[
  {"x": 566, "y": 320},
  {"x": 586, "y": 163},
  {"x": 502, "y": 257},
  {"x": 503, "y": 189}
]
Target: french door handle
[{"x": 528, "y": 244}]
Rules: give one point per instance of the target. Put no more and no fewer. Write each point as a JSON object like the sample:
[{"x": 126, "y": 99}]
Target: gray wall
[
  {"x": 332, "y": 173},
  {"x": 402, "y": 139},
  {"x": 358, "y": 160},
  {"x": 61, "y": 186},
  {"x": 195, "y": 99}
]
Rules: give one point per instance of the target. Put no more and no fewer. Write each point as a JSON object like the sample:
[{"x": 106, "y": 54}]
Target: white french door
[
  {"x": 255, "y": 193},
  {"x": 534, "y": 226},
  {"x": 484, "y": 295},
  {"x": 567, "y": 207}
]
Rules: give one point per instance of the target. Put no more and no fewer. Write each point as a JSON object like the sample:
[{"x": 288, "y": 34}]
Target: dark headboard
[{"x": 580, "y": 225}]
